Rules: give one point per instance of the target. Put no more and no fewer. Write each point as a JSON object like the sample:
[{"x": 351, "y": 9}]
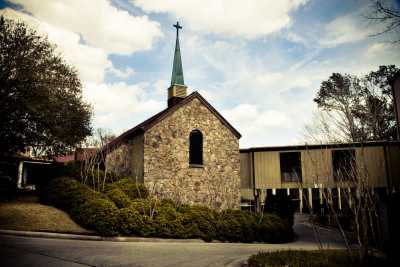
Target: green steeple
[{"x": 177, "y": 71}]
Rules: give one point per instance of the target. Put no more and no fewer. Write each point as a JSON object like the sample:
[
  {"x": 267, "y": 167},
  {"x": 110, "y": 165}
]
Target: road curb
[{"x": 94, "y": 237}]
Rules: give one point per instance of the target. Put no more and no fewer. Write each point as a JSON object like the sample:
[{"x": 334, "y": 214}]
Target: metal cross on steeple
[
  {"x": 178, "y": 27},
  {"x": 177, "y": 71}
]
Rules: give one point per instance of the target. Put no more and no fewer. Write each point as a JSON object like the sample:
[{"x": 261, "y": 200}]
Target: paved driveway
[{"x": 24, "y": 251}]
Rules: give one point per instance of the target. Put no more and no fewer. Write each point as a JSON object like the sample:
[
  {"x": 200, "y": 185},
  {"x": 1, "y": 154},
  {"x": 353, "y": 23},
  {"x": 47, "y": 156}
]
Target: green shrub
[
  {"x": 72, "y": 169},
  {"x": 199, "y": 222},
  {"x": 57, "y": 191},
  {"x": 55, "y": 170},
  {"x": 143, "y": 206},
  {"x": 100, "y": 215},
  {"x": 114, "y": 212},
  {"x": 119, "y": 197},
  {"x": 273, "y": 229},
  {"x": 236, "y": 226},
  {"x": 131, "y": 189},
  {"x": 168, "y": 222},
  {"x": 67, "y": 193},
  {"x": 89, "y": 208},
  {"x": 167, "y": 202},
  {"x": 281, "y": 205},
  {"x": 133, "y": 223}
]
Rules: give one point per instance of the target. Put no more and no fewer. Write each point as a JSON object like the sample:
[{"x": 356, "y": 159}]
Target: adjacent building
[{"x": 306, "y": 172}]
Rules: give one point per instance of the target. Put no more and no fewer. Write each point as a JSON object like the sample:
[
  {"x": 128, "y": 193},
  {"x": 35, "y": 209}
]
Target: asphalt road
[{"x": 27, "y": 251}]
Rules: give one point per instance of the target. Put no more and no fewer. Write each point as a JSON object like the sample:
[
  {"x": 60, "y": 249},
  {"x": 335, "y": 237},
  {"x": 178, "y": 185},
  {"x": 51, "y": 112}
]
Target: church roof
[{"x": 147, "y": 124}]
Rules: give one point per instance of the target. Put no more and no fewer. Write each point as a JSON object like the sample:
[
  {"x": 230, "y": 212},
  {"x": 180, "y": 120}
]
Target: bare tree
[
  {"x": 94, "y": 152},
  {"x": 352, "y": 180},
  {"x": 327, "y": 127},
  {"x": 386, "y": 14}
]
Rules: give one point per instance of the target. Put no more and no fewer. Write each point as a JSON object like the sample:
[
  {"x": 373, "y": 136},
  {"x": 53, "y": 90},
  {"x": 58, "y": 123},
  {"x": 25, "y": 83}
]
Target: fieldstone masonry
[
  {"x": 166, "y": 159},
  {"x": 127, "y": 159},
  {"x": 160, "y": 158}
]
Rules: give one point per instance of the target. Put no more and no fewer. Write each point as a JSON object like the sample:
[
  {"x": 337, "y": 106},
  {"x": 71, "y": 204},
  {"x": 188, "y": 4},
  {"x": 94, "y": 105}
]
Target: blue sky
[{"x": 259, "y": 63}]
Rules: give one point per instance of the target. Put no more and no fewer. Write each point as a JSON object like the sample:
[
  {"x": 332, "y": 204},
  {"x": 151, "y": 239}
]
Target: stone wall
[
  {"x": 166, "y": 159},
  {"x": 127, "y": 159}
]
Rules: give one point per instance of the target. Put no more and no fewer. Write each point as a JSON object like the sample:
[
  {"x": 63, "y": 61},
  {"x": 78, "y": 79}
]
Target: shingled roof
[{"x": 147, "y": 124}]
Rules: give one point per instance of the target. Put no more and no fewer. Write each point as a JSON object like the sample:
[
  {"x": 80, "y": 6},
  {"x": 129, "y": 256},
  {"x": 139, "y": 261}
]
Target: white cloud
[
  {"x": 375, "y": 49},
  {"x": 249, "y": 19},
  {"x": 296, "y": 38},
  {"x": 160, "y": 88},
  {"x": 122, "y": 73},
  {"x": 98, "y": 22},
  {"x": 120, "y": 103},
  {"x": 91, "y": 62},
  {"x": 254, "y": 118},
  {"x": 349, "y": 28},
  {"x": 256, "y": 124}
]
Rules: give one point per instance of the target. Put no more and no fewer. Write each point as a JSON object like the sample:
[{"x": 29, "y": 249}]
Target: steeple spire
[
  {"x": 177, "y": 90},
  {"x": 177, "y": 71}
]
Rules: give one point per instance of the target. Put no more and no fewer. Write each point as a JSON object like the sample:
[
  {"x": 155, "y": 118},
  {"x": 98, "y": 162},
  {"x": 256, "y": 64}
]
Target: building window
[
  {"x": 290, "y": 167},
  {"x": 196, "y": 148},
  {"x": 344, "y": 165}
]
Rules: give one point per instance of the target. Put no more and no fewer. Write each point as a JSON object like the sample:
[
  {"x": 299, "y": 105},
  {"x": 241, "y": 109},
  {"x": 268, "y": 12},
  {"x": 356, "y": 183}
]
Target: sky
[{"x": 258, "y": 62}]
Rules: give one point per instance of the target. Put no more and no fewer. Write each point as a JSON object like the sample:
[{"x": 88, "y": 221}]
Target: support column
[
  {"x": 330, "y": 196},
  {"x": 301, "y": 200},
  {"x": 258, "y": 204},
  {"x": 310, "y": 204},
  {"x": 20, "y": 174},
  {"x": 321, "y": 199},
  {"x": 350, "y": 199},
  {"x": 288, "y": 191},
  {"x": 339, "y": 198},
  {"x": 263, "y": 195}
]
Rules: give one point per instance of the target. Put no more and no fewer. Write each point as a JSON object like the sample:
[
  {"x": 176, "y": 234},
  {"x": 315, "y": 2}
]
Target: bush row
[
  {"x": 88, "y": 208},
  {"x": 126, "y": 209}
]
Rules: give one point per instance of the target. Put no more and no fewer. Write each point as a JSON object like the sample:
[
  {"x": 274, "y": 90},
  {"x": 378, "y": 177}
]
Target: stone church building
[{"x": 187, "y": 152}]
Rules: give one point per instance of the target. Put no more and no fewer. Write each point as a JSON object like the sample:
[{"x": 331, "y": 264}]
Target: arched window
[{"x": 196, "y": 148}]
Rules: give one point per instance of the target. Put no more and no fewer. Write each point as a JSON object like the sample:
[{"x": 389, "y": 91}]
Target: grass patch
[
  {"x": 29, "y": 215},
  {"x": 315, "y": 258}
]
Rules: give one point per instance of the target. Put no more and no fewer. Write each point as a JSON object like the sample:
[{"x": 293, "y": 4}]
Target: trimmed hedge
[
  {"x": 67, "y": 193},
  {"x": 130, "y": 188},
  {"x": 200, "y": 222},
  {"x": 237, "y": 226},
  {"x": 117, "y": 211},
  {"x": 98, "y": 214},
  {"x": 273, "y": 229},
  {"x": 119, "y": 197},
  {"x": 133, "y": 223},
  {"x": 91, "y": 209},
  {"x": 281, "y": 205}
]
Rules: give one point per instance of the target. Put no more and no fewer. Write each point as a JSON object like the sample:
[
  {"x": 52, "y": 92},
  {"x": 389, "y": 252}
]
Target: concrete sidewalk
[
  {"x": 94, "y": 237},
  {"x": 27, "y": 251},
  {"x": 40, "y": 251}
]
